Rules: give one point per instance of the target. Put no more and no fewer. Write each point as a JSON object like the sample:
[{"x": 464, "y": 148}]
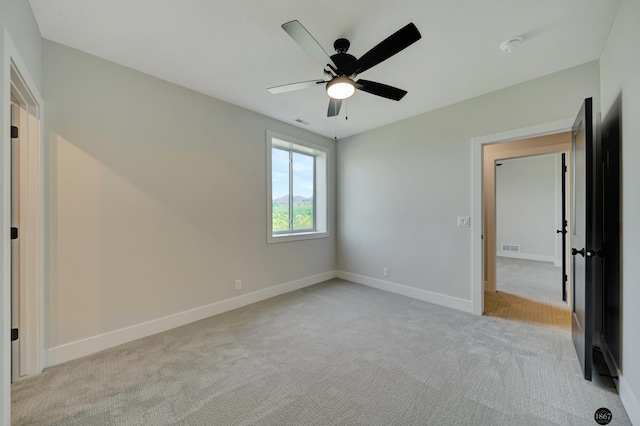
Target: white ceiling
[{"x": 235, "y": 49}]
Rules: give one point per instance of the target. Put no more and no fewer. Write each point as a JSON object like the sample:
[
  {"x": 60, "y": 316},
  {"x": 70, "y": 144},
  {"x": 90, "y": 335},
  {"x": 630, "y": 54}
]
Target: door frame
[
  {"x": 477, "y": 202},
  {"x": 15, "y": 78}
]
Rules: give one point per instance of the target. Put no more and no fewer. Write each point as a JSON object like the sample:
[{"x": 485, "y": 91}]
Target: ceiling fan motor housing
[
  {"x": 341, "y": 45},
  {"x": 344, "y": 62}
]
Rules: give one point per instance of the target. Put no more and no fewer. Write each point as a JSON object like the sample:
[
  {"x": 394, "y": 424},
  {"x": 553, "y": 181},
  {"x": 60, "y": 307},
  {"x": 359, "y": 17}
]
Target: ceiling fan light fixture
[{"x": 341, "y": 87}]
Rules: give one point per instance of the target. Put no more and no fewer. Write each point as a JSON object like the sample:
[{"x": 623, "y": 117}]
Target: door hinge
[
  {"x": 14, "y": 334},
  {"x": 565, "y": 169},
  {"x": 14, "y": 233},
  {"x": 566, "y": 278},
  {"x": 14, "y": 132}
]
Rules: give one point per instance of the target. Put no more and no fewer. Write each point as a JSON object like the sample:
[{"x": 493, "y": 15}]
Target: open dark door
[
  {"x": 586, "y": 234},
  {"x": 611, "y": 292},
  {"x": 563, "y": 228}
]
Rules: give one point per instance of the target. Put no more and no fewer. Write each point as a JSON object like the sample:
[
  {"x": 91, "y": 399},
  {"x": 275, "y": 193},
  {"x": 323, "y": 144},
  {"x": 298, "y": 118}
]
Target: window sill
[{"x": 281, "y": 238}]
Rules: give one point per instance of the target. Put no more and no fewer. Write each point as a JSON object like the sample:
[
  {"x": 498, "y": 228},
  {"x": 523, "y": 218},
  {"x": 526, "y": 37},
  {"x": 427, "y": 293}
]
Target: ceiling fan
[{"x": 341, "y": 69}]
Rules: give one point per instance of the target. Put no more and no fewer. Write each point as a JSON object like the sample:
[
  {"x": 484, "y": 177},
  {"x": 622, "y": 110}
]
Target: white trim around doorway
[
  {"x": 477, "y": 144},
  {"x": 15, "y": 78}
]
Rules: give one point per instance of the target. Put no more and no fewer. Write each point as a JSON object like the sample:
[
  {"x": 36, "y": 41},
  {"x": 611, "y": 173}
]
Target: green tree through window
[{"x": 293, "y": 189}]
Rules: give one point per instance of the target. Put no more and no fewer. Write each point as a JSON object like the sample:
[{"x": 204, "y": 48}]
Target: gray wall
[
  {"x": 402, "y": 186},
  {"x": 526, "y": 191},
  {"x": 156, "y": 199},
  {"x": 620, "y": 71},
  {"x": 16, "y": 16}
]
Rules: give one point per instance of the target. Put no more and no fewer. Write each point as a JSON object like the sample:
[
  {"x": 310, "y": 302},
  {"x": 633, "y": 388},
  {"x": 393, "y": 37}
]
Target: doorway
[
  {"x": 483, "y": 175},
  {"x": 26, "y": 222},
  {"x": 494, "y": 154},
  {"x": 529, "y": 252},
  {"x": 19, "y": 91}
]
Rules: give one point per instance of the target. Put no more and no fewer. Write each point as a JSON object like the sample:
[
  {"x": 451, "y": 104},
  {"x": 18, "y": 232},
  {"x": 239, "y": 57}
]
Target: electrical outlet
[
  {"x": 238, "y": 284},
  {"x": 463, "y": 221},
  {"x": 385, "y": 272}
]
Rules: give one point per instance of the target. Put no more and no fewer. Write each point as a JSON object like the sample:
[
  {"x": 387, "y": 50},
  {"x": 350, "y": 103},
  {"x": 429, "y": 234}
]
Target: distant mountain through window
[{"x": 297, "y": 199}]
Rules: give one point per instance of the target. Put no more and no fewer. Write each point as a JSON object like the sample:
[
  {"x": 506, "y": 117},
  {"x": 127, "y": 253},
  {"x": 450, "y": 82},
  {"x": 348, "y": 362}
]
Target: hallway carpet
[{"x": 529, "y": 291}]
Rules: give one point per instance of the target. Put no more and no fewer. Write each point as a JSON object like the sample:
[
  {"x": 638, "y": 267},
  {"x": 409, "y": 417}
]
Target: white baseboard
[
  {"x": 416, "y": 293},
  {"x": 526, "y": 256},
  {"x": 629, "y": 400},
  {"x": 80, "y": 348}
]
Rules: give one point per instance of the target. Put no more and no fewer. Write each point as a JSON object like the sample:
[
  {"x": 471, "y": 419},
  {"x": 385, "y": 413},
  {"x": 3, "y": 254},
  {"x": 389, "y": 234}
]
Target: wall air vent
[{"x": 511, "y": 247}]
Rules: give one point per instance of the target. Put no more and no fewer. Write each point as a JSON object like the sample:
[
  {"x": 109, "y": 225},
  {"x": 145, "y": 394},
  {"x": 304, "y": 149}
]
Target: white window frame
[{"x": 320, "y": 196}]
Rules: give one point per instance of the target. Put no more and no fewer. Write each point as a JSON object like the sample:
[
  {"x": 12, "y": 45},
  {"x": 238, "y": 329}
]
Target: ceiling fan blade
[
  {"x": 334, "y": 107},
  {"x": 294, "y": 86},
  {"x": 309, "y": 44},
  {"x": 380, "y": 89},
  {"x": 393, "y": 44}
]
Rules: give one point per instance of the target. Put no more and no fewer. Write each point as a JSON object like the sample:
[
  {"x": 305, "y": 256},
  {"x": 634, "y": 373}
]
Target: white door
[{"x": 15, "y": 243}]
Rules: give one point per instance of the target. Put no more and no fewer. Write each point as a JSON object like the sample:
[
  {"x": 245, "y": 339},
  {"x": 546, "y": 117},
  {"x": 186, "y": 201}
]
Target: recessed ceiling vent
[{"x": 301, "y": 121}]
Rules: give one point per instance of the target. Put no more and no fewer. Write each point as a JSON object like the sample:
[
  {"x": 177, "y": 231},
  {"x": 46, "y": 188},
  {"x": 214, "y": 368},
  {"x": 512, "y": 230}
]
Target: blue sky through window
[
  {"x": 302, "y": 174},
  {"x": 279, "y": 173}
]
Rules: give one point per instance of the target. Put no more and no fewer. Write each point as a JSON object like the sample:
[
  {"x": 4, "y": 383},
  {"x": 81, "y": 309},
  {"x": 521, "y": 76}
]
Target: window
[{"x": 296, "y": 189}]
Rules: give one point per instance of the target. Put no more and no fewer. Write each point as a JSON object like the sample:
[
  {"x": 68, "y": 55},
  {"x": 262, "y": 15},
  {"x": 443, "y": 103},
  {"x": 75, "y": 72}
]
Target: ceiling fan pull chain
[{"x": 346, "y": 110}]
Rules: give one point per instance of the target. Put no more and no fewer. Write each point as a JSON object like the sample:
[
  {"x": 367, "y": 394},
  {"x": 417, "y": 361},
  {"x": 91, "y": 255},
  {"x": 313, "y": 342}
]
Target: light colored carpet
[
  {"x": 541, "y": 281},
  {"x": 336, "y": 353}
]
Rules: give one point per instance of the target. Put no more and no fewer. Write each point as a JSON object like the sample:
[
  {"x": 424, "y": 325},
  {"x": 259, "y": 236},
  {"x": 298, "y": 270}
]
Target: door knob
[
  {"x": 561, "y": 231},
  {"x": 580, "y": 252}
]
